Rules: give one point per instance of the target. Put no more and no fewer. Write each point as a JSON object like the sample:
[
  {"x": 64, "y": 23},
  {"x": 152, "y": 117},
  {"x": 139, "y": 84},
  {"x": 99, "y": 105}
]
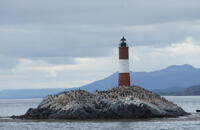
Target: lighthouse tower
[{"x": 124, "y": 75}]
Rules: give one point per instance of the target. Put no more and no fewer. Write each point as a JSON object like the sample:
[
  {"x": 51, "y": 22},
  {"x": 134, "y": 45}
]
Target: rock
[{"x": 117, "y": 103}]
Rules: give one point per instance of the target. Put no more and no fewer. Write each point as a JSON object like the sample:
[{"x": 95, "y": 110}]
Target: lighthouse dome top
[{"x": 123, "y": 42}]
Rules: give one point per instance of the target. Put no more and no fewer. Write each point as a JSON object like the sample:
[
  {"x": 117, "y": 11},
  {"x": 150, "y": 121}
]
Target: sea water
[{"x": 10, "y": 107}]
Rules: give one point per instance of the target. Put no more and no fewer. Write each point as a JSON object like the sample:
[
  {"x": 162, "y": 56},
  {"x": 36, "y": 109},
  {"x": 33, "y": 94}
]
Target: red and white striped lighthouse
[{"x": 124, "y": 75}]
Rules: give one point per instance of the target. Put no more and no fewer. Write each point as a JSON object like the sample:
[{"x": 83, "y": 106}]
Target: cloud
[
  {"x": 72, "y": 29},
  {"x": 88, "y": 41},
  {"x": 7, "y": 62},
  {"x": 98, "y": 12},
  {"x": 148, "y": 58},
  {"x": 30, "y": 73}
]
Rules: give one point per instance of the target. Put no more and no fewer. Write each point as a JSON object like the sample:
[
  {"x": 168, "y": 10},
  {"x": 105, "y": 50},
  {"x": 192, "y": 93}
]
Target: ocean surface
[{"x": 10, "y": 107}]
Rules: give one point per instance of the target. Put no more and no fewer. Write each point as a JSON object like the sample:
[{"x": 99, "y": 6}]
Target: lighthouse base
[{"x": 124, "y": 79}]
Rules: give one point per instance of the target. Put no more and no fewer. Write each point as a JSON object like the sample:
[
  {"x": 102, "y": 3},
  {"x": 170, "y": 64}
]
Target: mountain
[
  {"x": 172, "y": 91},
  {"x": 192, "y": 90},
  {"x": 172, "y": 77},
  {"x": 189, "y": 91},
  {"x": 171, "y": 80}
]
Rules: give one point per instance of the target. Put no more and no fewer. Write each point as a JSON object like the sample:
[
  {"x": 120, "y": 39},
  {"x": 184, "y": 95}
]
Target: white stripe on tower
[{"x": 123, "y": 66}]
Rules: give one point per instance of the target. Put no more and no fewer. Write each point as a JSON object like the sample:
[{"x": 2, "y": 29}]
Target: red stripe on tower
[{"x": 124, "y": 75}]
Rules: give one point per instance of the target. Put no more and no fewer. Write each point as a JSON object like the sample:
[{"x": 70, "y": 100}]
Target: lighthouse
[{"x": 124, "y": 75}]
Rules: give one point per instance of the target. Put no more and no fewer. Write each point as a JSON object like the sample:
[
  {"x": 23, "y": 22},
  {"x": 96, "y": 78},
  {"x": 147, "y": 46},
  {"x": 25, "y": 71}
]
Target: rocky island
[{"x": 117, "y": 103}]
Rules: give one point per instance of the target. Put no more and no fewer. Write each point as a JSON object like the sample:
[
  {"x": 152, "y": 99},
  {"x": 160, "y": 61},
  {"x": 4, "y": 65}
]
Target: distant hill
[
  {"x": 193, "y": 90},
  {"x": 172, "y": 91},
  {"x": 189, "y": 91},
  {"x": 174, "y": 76},
  {"x": 168, "y": 81}
]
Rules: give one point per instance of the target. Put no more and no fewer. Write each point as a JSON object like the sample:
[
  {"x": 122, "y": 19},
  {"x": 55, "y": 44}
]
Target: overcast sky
[{"x": 69, "y": 43}]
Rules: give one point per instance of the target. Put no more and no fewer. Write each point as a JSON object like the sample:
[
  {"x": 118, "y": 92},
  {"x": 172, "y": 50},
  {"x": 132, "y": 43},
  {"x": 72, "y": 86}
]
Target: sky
[{"x": 69, "y": 43}]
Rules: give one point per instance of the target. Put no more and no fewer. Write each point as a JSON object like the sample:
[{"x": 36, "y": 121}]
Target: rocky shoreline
[{"x": 117, "y": 103}]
